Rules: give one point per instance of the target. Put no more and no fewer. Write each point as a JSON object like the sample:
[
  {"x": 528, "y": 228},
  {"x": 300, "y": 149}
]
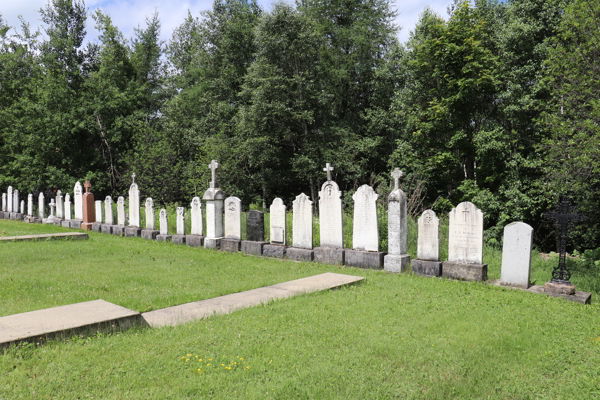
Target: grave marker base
[
  {"x": 97, "y": 227},
  {"x": 559, "y": 288},
  {"x": 132, "y": 231},
  {"x": 251, "y": 247},
  {"x": 163, "y": 238},
  {"x": 427, "y": 268},
  {"x": 467, "y": 272},
  {"x": 118, "y": 230},
  {"x": 274, "y": 250},
  {"x": 212, "y": 243},
  {"x": 75, "y": 223},
  {"x": 194, "y": 240},
  {"x": 364, "y": 259},
  {"x": 231, "y": 245},
  {"x": 330, "y": 255},
  {"x": 107, "y": 229},
  {"x": 178, "y": 239},
  {"x": 298, "y": 254},
  {"x": 396, "y": 262},
  {"x": 149, "y": 234}
]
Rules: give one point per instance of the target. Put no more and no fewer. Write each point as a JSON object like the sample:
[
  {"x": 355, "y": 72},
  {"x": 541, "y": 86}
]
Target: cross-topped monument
[
  {"x": 52, "y": 205},
  {"x": 563, "y": 214},
  {"x": 87, "y": 185},
  {"x": 397, "y": 174},
  {"x": 328, "y": 168},
  {"x": 213, "y": 167}
]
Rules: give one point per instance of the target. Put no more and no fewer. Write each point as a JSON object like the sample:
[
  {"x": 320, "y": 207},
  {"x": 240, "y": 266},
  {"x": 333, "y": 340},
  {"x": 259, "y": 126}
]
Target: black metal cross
[{"x": 563, "y": 214}]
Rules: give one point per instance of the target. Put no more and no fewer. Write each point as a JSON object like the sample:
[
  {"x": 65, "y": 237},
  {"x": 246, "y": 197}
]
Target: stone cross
[
  {"x": 213, "y": 167},
  {"x": 397, "y": 174},
  {"x": 563, "y": 214},
  {"x": 465, "y": 211},
  {"x": 52, "y": 205},
  {"x": 87, "y": 185},
  {"x": 328, "y": 168}
]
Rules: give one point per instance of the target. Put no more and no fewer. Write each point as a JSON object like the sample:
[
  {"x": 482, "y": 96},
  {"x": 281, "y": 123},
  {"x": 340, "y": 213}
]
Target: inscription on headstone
[
  {"x": 465, "y": 234},
  {"x": 78, "y": 195},
  {"x": 164, "y": 222},
  {"x": 180, "y": 221},
  {"x": 428, "y": 243},
  {"x": 330, "y": 213},
  {"x": 278, "y": 225}
]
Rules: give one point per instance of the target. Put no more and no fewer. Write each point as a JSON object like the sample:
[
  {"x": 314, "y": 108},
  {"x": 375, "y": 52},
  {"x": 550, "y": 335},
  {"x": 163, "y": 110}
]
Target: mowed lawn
[{"x": 391, "y": 336}]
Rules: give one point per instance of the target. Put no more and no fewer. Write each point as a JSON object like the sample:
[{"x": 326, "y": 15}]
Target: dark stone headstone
[
  {"x": 256, "y": 226},
  {"x": 97, "y": 227}
]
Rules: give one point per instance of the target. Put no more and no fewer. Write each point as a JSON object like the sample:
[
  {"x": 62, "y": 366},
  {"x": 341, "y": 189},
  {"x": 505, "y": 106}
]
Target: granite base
[
  {"x": 299, "y": 254},
  {"x": 330, "y": 255},
  {"x": 252, "y": 247},
  {"x": 396, "y": 262},
  {"x": 107, "y": 229},
  {"x": 194, "y": 240},
  {"x": 230, "y": 245},
  {"x": 75, "y": 223},
  {"x": 163, "y": 238},
  {"x": 364, "y": 259},
  {"x": 427, "y": 268},
  {"x": 132, "y": 231},
  {"x": 118, "y": 230},
  {"x": 97, "y": 227},
  {"x": 178, "y": 239},
  {"x": 149, "y": 234},
  {"x": 212, "y": 243},
  {"x": 274, "y": 250},
  {"x": 559, "y": 288},
  {"x": 467, "y": 272}
]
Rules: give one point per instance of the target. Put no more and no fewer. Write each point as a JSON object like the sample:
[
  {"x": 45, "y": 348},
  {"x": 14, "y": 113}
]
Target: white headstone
[
  {"x": 98, "y": 204},
  {"x": 134, "y": 204},
  {"x": 149, "y": 206},
  {"x": 330, "y": 215},
  {"x": 428, "y": 241},
  {"x": 22, "y": 207},
  {"x": 78, "y": 195},
  {"x": 365, "y": 232},
  {"x": 164, "y": 222},
  {"x": 516, "y": 254},
  {"x": 59, "y": 205},
  {"x": 196, "y": 211},
  {"x": 233, "y": 219},
  {"x": 9, "y": 199},
  {"x": 30, "y": 205},
  {"x": 108, "y": 211},
  {"x": 68, "y": 207},
  {"x": 465, "y": 234},
  {"x": 16, "y": 201},
  {"x": 277, "y": 218},
  {"x": 397, "y": 218},
  {"x": 4, "y": 205},
  {"x": 214, "y": 205},
  {"x": 52, "y": 206},
  {"x": 180, "y": 223},
  {"x": 41, "y": 206},
  {"x": 121, "y": 210},
  {"x": 302, "y": 222}
]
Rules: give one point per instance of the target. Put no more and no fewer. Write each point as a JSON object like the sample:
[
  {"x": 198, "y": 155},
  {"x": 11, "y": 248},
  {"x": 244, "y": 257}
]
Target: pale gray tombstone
[
  {"x": 180, "y": 221},
  {"x": 9, "y": 196},
  {"x": 428, "y": 242},
  {"x": 98, "y": 209},
  {"x": 164, "y": 222},
  {"x": 52, "y": 206},
  {"x": 22, "y": 207},
  {"x": 365, "y": 232},
  {"x": 214, "y": 198},
  {"x": 277, "y": 221},
  {"x": 233, "y": 220},
  {"x": 397, "y": 259},
  {"x": 68, "y": 214},
  {"x": 516, "y": 255},
  {"x": 302, "y": 222},
  {"x": 41, "y": 206},
  {"x": 30, "y": 205},
  {"x": 121, "y": 211},
  {"x": 149, "y": 208},
  {"x": 59, "y": 205},
  {"x": 330, "y": 213},
  {"x": 78, "y": 199},
  {"x": 196, "y": 211},
  {"x": 134, "y": 204},
  {"x": 16, "y": 201},
  {"x": 108, "y": 211},
  {"x": 4, "y": 205}
]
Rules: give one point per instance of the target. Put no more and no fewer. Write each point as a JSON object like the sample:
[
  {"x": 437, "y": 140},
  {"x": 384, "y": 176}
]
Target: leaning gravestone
[
  {"x": 465, "y": 244},
  {"x": 9, "y": 196},
  {"x": 134, "y": 230},
  {"x": 277, "y": 229},
  {"x": 78, "y": 196},
  {"x": 516, "y": 255},
  {"x": 301, "y": 230},
  {"x": 365, "y": 233},
  {"x": 428, "y": 245},
  {"x": 163, "y": 236},
  {"x": 233, "y": 225},
  {"x": 397, "y": 259},
  {"x": 214, "y": 210},
  {"x": 331, "y": 223},
  {"x": 179, "y": 238},
  {"x": 256, "y": 233},
  {"x": 150, "y": 232},
  {"x": 195, "y": 239}
]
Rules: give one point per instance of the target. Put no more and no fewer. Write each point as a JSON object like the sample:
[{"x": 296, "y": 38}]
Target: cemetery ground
[{"x": 392, "y": 336}]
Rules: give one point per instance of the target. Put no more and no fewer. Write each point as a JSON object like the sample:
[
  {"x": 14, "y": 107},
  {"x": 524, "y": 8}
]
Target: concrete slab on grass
[
  {"x": 47, "y": 236},
  {"x": 51, "y": 322},
  {"x": 226, "y": 304}
]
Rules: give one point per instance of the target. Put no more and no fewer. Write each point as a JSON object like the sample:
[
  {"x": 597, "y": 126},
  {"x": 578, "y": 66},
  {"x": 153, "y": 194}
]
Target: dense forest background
[{"x": 498, "y": 104}]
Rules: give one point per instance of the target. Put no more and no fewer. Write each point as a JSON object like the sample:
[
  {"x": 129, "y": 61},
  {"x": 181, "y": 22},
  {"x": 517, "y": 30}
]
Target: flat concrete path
[
  {"x": 47, "y": 236},
  {"x": 226, "y": 304},
  {"x": 52, "y": 321}
]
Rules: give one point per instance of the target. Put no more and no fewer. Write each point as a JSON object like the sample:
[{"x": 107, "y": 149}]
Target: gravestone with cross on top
[
  {"x": 214, "y": 198},
  {"x": 397, "y": 259}
]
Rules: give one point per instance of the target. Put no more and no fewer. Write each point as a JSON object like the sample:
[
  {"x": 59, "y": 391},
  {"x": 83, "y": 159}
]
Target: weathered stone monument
[
  {"x": 516, "y": 255},
  {"x": 16, "y": 201},
  {"x": 4, "y": 205},
  {"x": 89, "y": 212},
  {"x": 278, "y": 230},
  {"x": 397, "y": 259},
  {"x": 301, "y": 230},
  {"x": 60, "y": 208},
  {"x": 134, "y": 210},
  {"x": 150, "y": 232},
  {"x": 97, "y": 226},
  {"x": 51, "y": 217},
  {"x": 465, "y": 244},
  {"x": 78, "y": 199},
  {"x": 331, "y": 250},
  {"x": 41, "y": 204},
  {"x": 214, "y": 210},
  {"x": 256, "y": 234},
  {"x": 233, "y": 225},
  {"x": 107, "y": 227},
  {"x": 22, "y": 207},
  {"x": 30, "y": 205},
  {"x": 9, "y": 196},
  {"x": 365, "y": 233},
  {"x": 428, "y": 245},
  {"x": 179, "y": 238},
  {"x": 163, "y": 236},
  {"x": 119, "y": 229},
  {"x": 196, "y": 239},
  {"x": 67, "y": 221}
]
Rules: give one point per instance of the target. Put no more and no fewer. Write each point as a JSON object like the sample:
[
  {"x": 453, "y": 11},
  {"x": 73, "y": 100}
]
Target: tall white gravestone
[
  {"x": 516, "y": 255},
  {"x": 180, "y": 221},
  {"x": 16, "y": 201},
  {"x": 41, "y": 206},
  {"x": 134, "y": 204},
  {"x": 365, "y": 232},
  {"x": 22, "y": 207},
  {"x": 108, "y": 211},
  {"x": 98, "y": 210},
  {"x": 121, "y": 211},
  {"x": 330, "y": 213},
  {"x": 30, "y": 205},
  {"x": 214, "y": 210},
  {"x": 277, "y": 222},
  {"x": 78, "y": 195},
  {"x": 60, "y": 213},
  {"x": 428, "y": 245},
  {"x": 196, "y": 212},
  {"x": 302, "y": 222},
  {"x": 4, "y": 205},
  {"x": 149, "y": 208},
  {"x": 397, "y": 259},
  {"x": 9, "y": 199},
  {"x": 68, "y": 206},
  {"x": 164, "y": 222},
  {"x": 233, "y": 220}
]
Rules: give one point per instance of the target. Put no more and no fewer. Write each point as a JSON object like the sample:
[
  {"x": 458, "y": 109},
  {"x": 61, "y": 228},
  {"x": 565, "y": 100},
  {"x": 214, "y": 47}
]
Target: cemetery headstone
[
  {"x": 78, "y": 199},
  {"x": 108, "y": 210},
  {"x": 4, "y": 205},
  {"x": 97, "y": 226},
  {"x": 331, "y": 223},
  {"x": 41, "y": 206},
  {"x": 233, "y": 225},
  {"x": 89, "y": 212},
  {"x": 365, "y": 231},
  {"x": 134, "y": 203},
  {"x": 121, "y": 211},
  {"x": 256, "y": 233},
  {"x": 150, "y": 232},
  {"x": 9, "y": 196},
  {"x": 22, "y": 207},
  {"x": 163, "y": 236},
  {"x": 465, "y": 244},
  {"x": 196, "y": 211},
  {"x": 60, "y": 210},
  {"x": 397, "y": 259},
  {"x": 428, "y": 245},
  {"x": 16, "y": 201},
  {"x": 30, "y": 205},
  {"x": 301, "y": 230},
  {"x": 516, "y": 255},
  {"x": 278, "y": 230},
  {"x": 214, "y": 210},
  {"x": 179, "y": 238}
]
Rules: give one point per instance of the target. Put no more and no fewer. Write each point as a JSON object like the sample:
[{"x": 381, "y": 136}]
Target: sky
[{"x": 128, "y": 14}]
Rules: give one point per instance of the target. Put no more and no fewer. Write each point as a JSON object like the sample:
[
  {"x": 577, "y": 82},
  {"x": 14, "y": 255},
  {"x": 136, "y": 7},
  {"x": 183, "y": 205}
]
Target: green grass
[{"x": 392, "y": 336}]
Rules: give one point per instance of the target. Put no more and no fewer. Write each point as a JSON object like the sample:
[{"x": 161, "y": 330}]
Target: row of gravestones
[{"x": 465, "y": 240}]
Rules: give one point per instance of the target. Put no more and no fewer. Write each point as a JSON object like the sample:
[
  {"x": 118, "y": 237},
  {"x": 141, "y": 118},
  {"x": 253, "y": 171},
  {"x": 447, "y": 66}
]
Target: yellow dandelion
[
  {"x": 189, "y": 355},
  {"x": 222, "y": 365},
  {"x": 241, "y": 358},
  {"x": 234, "y": 363},
  {"x": 200, "y": 360}
]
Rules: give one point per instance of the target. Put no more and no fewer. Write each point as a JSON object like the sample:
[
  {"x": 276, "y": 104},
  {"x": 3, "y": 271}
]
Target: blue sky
[{"x": 127, "y": 14}]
